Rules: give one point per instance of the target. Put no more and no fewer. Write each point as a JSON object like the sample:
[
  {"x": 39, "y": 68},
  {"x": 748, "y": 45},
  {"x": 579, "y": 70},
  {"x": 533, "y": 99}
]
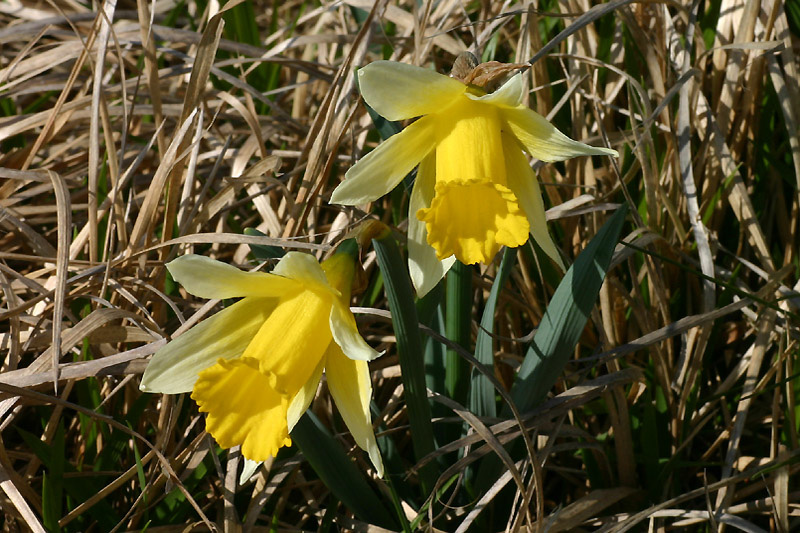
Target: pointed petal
[
  {"x": 300, "y": 266},
  {"x": 207, "y": 278},
  {"x": 339, "y": 271},
  {"x": 306, "y": 395},
  {"x": 174, "y": 368},
  {"x": 398, "y": 91},
  {"x": 382, "y": 169},
  {"x": 522, "y": 180},
  {"x": 244, "y": 408},
  {"x": 509, "y": 95},
  {"x": 351, "y": 388},
  {"x": 425, "y": 268},
  {"x": 249, "y": 468},
  {"x": 345, "y": 333},
  {"x": 542, "y": 140}
]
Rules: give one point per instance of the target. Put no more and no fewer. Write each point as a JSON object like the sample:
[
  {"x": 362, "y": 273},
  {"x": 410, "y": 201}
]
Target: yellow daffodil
[
  {"x": 475, "y": 189},
  {"x": 254, "y": 367}
]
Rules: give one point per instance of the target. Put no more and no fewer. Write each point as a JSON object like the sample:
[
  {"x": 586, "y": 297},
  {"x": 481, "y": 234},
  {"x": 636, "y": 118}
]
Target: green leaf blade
[
  {"x": 482, "y": 394},
  {"x": 338, "y": 472},
  {"x": 566, "y": 316},
  {"x": 398, "y": 289}
]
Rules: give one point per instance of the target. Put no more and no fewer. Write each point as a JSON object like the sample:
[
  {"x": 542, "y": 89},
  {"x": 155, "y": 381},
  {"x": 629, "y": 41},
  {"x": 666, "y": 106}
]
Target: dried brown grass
[{"x": 127, "y": 142}]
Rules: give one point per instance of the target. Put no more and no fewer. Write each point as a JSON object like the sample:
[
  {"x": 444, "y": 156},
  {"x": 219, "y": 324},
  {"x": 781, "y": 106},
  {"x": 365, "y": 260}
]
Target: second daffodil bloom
[
  {"x": 254, "y": 367},
  {"x": 475, "y": 189}
]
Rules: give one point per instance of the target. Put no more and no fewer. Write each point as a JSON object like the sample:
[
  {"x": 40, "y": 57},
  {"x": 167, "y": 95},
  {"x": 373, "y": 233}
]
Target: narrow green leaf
[
  {"x": 558, "y": 333},
  {"x": 263, "y": 252},
  {"x": 458, "y": 321},
  {"x": 386, "y": 128},
  {"x": 338, "y": 472},
  {"x": 330, "y": 515},
  {"x": 53, "y": 483},
  {"x": 395, "y": 469},
  {"x": 409, "y": 348},
  {"x": 435, "y": 358},
  {"x": 79, "y": 489},
  {"x": 429, "y": 312},
  {"x": 482, "y": 394},
  {"x": 398, "y": 507},
  {"x": 140, "y": 471},
  {"x": 423, "y": 512},
  {"x": 359, "y": 14},
  {"x": 566, "y": 316},
  {"x": 241, "y": 25}
]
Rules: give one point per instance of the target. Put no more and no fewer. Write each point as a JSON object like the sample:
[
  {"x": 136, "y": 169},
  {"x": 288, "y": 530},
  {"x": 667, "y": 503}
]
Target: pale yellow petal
[
  {"x": 248, "y": 469},
  {"x": 522, "y": 180},
  {"x": 351, "y": 388},
  {"x": 382, "y": 169},
  {"x": 207, "y": 278},
  {"x": 293, "y": 339},
  {"x": 244, "y": 408},
  {"x": 303, "y": 399},
  {"x": 542, "y": 140},
  {"x": 398, "y": 91},
  {"x": 174, "y": 368},
  {"x": 339, "y": 271},
  {"x": 345, "y": 333},
  {"x": 509, "y": 95},
  {"x": 301, "y": 267},
  {"x": 425, "y": 268}
]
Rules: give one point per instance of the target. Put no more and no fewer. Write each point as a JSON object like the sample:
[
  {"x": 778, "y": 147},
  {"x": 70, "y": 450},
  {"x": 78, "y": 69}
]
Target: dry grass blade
[
  {"x": 64, "y": 224},
  {"x": 587, "y": 507},
  {"x": 132, "y": 134},
  {"x": 19, "y": 502},
  {"x": 765, "y": 330},
  {"x": 94, "y": 123},
  {"x": 629, "y": 522}
]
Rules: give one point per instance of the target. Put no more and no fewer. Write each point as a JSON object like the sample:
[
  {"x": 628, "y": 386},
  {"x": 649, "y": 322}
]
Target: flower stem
[{"x": 458, "y": 329}]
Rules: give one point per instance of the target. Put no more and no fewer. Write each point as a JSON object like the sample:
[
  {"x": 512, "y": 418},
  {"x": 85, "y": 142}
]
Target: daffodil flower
[
  {"x": 254, "y": 367},
  {"x": 475, "y": 189}
]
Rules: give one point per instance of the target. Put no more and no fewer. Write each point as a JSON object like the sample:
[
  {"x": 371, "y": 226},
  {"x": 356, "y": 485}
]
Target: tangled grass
[{"x": 132, "y": 132}]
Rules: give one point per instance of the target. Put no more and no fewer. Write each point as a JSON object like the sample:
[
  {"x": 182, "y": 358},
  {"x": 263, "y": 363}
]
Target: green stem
[{"x": 458, "y": 329}]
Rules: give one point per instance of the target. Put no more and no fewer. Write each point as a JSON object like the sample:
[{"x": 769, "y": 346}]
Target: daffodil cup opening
[
  {"x": 475, "y": 191},
  {"x": 254, "y": 367}
]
